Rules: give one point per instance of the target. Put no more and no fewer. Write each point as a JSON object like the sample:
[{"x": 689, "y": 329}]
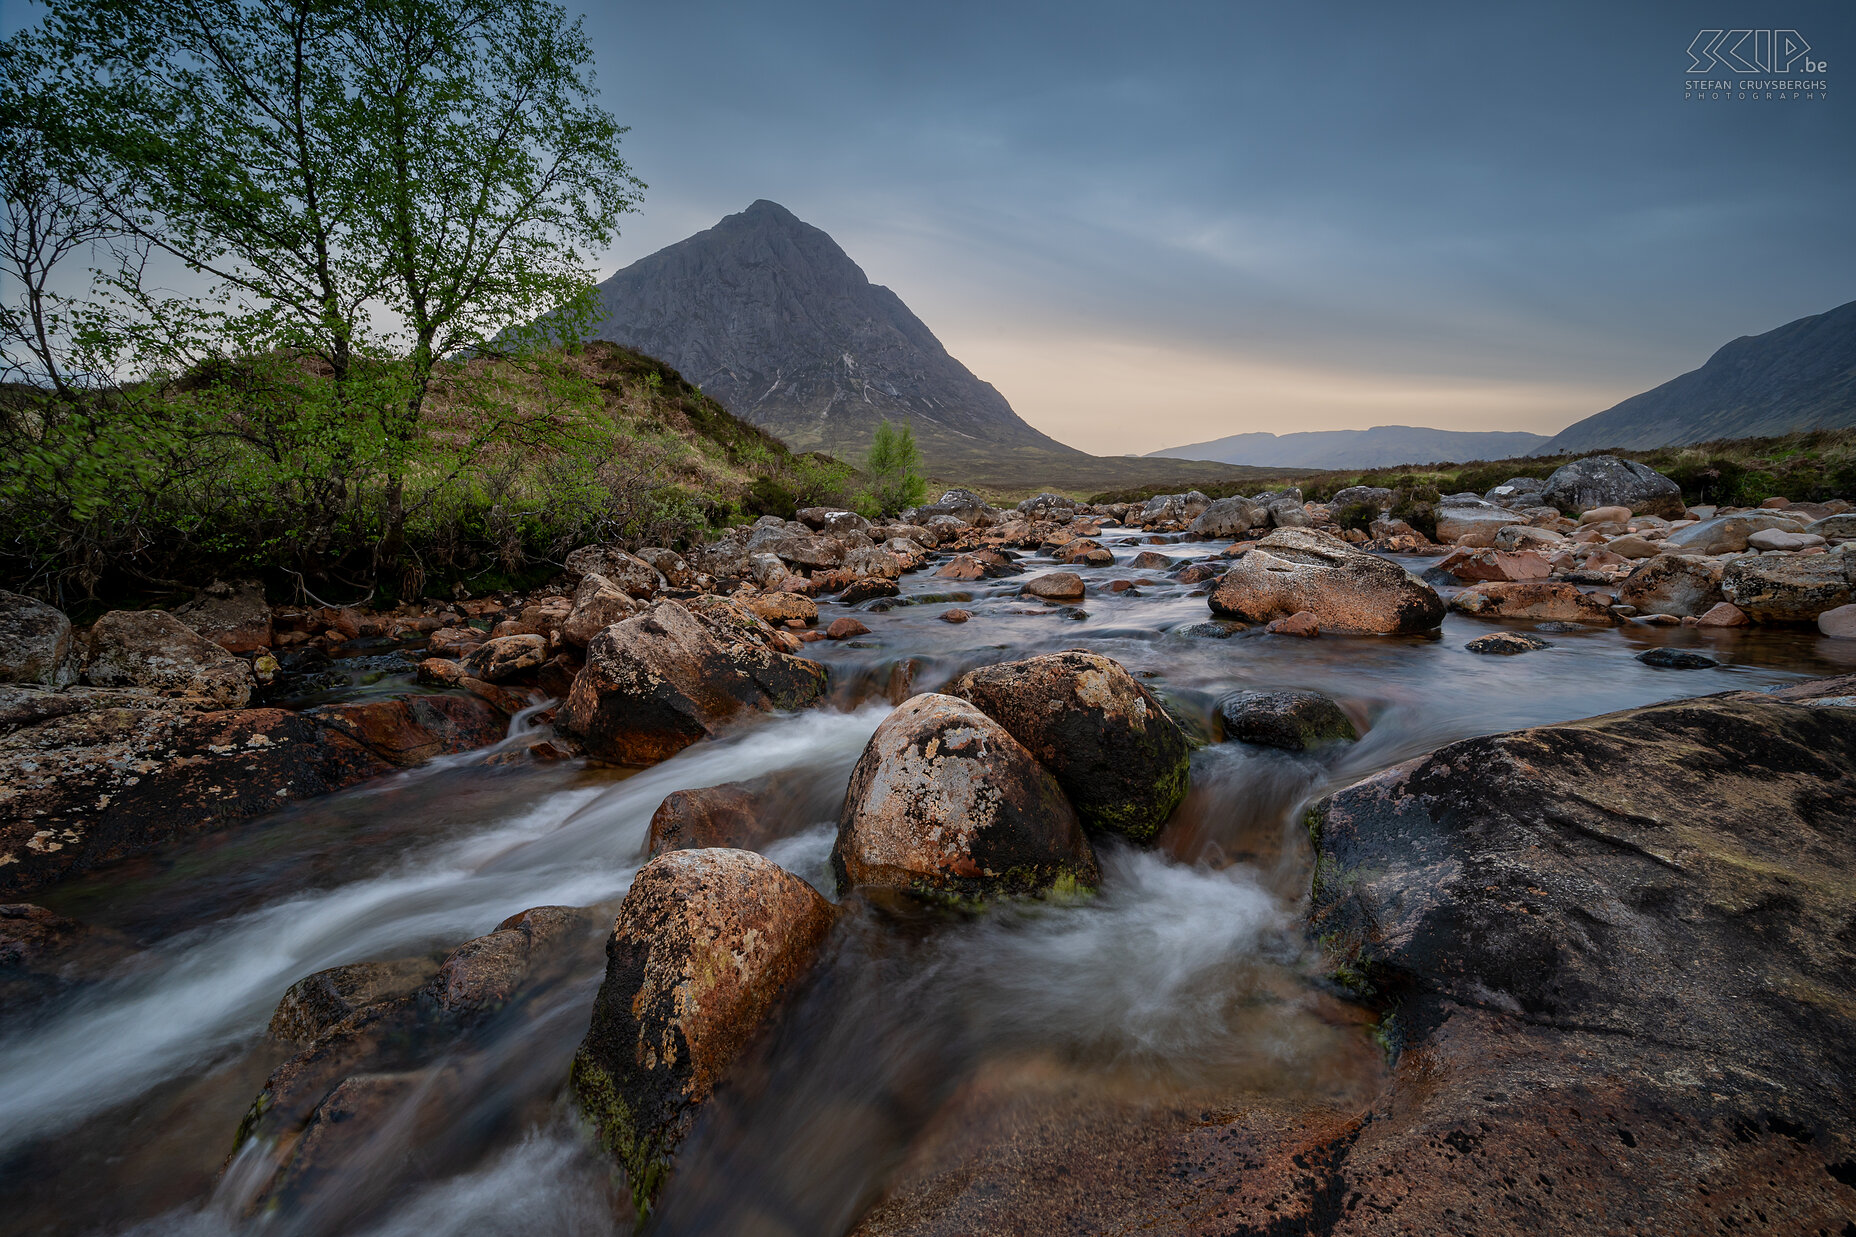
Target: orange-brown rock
[
  {"x": 1347, "y": 590},
  {"x": 1552, "y": 600}
]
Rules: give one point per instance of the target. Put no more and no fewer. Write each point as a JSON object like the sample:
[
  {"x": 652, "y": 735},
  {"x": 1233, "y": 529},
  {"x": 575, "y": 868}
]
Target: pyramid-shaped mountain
[{"x": 768, "y": 315}]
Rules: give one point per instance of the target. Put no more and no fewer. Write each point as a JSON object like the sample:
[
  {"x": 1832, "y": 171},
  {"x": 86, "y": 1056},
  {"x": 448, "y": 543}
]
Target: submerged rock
[
  {"x": 729, "y": 815},
  {"x": 1676, "y": 659},
  {"x": 944, "y": 802},
  {"x": 661, "y": 680},
  {"x": 1348, "y": 590},
  {"x": 1507, "y": 643},
  {"x": 1121, "y": 760},
  {"x": 1294, "y": 721},
  {"x": 706, "y": 946},
  {"x": 312, "y": 1005}
]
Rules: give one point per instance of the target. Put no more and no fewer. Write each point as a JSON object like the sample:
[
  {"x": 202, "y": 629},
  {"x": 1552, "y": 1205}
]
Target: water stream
[{"x": 1189, "y": 974}]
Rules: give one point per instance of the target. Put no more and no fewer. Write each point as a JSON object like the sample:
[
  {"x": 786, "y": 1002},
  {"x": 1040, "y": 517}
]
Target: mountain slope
[
  {"x": 1800, "y": 376},
  {"x": 768, "y": 315},
  {"x": 1380, "y": 447}
]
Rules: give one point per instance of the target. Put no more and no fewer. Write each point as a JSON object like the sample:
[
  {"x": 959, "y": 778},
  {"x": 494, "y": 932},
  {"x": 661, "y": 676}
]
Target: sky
[{"x": 1156, "y": 224}]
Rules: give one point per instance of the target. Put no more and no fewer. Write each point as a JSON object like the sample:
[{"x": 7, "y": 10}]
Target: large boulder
[
  {"x": 1120, "y": 759},
  {"x": 1375, "y": 496},
  {"x": 1835, "y": 528},
  {"x": 1615, "y": 963},
  {"x": 1544, "y": 600},
  {"x": 152, "y": 648},
  {"x": 1347, "y": 590},
  {"x": 505, "y": 657},
  {"x": 631, "y": 574},
  {"x": 1607, "y": 481},
  {"x": 1294, "y": 721},
  {"x": 35, "y": 642},
  {"x": 1458, "y": 520},
  {"x": 234, "y": 616},
  {"x": 598, "y": 604},
  {"x": 707, "y": 945},
  {"x": 962, "y": 505},
  {"x": 1678, "y": 584},
  {"x": 1790, "y": 588},
  {"x": 944, "y": 802},
  {"x": 1229, "y": 517},
  {"x": 661, "y": 680}
]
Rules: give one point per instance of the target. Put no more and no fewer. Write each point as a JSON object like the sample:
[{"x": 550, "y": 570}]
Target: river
[{"x": 1190, "y": 974}]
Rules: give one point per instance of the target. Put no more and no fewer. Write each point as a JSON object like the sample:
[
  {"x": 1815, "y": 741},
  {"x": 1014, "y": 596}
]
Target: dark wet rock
[
  {"x": 1150, "y": 560},
  {"x": 629, "y": 573},
  {"x": 1295, "y": 721},
  {"x": 1120, "y": 759},
  {"x": 1554, "y": 600},
  {"x": 662, "y": 680},
  {"x": 1678, "y": 584},
  {"x": 845, "y": 628},
  {"x": 956, "y": 615},
  {"x": 1198, "y": 573},
  {"x": 152, "y": 648},
  {"x": 707, "y": 946},
  {"x": 1507, "y": 643},
  {"x": 1790, "y": 588},
  {"x": 598, "y": 604},
  {"x": 1676, "y": 659},
  {"x": 504, "y": 657},
  {"x": 1229, "y": 517},
  {"x": 312, "y": 1005},
  {"x": 1055, "y": 586},
  {"x": 1348, "y": 590},
  {"x": 1616, "y": 964},
  {"x": 962, "y": 567},
  {"x": 1209, "y": 630},
  {"x": 35, "y": 642},
  {"x": 44, "y": 955},
  {"x": 234, "y": 616},
  {"x": 1607, "y": 481},
  {"x": 729, "y": 815},
  {"x": 1302, "y": 623},
  {"x": 944, "y": 802},
  {"x": 401, "y": 1071},
  {"x": 868, "y": 589},
  {"x": 82, "y": 789},
  {"x": 411, "y": 730}
]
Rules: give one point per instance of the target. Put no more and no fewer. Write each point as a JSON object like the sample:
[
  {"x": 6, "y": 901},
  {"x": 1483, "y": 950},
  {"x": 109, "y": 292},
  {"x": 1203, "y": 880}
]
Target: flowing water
[{"x": 1188, "y": 976}]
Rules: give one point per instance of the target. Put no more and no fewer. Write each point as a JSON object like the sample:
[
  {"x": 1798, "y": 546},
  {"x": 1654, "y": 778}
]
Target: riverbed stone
[
  {"x": 317, "y": 1002},
  {"x": 1294, "y": 721},
  {"x": 235, "y": 615},
  {"x": 1507, "y": 643},
  {"x": 1678, "y": 584},
  {"x": 629, "y": 573},
  {"x": 1229, "y": 517},
  {"x": 945, "y": 803},
  {"x": 1454, "y": 522},
  {"x": 504, "y": 657},
  {"x": 1055, "y": 586},
  {"x": 1121, "y": 760},
  {"x": 707, "y": 946},
  {"x": 664, "y": 679},
  {"x": 1348, "y": 590},
  {"x": 35, "y": 642},
  {"x": 152, "y": 648},
  {"x": 1607, "y": 481},
  {"x": 1665, "y": 658},
  {"x": 1782, "y": 539},
  {"x": 1787, "y": 588},
  {"x": 1553, "y": 600},
  {"x": 1839, "y": 623},
  {"x": 1838, "y": 527},
  {"x": 782, "y": 607},
  {"x": 411, "y": 730}
]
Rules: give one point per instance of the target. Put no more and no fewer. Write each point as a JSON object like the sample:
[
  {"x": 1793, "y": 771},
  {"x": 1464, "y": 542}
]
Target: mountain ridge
[{"x": 1379, "y": 447}]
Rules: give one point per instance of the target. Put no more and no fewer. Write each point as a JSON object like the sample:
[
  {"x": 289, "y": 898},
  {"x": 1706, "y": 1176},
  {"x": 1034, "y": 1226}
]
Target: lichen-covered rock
[
  {"x": 598, "y": 604},
  {"x": 1678, "y": 584},
  {"x": 707, "y": 945},
  {"x": 504, "y": 657},
  {"x": 1546, "y": 600},
  {"x": 1787, "y": 588},
  {"x": 1615, "y": 959},
  {"x": 629, "y": 573},
  {"x": 944, "y": 802},
  {"x": 234, "y": 616},
  {"x": 35, "y": 642},
  {"x": 1348, "y": 590},
  {"x": 1507, "y": 644},
  {"x": 1295, "y": 721},
  {"x": 313, "y": 1004},
  {"x": 661, "y": 680},
  {"x": 152, "y": 648},
  {"x": 1121, "y": 760},
  {"x": 1607, "y": 481},
  {"x": 781, "y": 607}
]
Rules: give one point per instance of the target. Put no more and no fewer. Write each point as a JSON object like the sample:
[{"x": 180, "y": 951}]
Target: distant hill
[
  {"x": 768, "y": 315},
  {"x": 1801, "y": 376},
  {"x": 1383, "y": 446}
]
